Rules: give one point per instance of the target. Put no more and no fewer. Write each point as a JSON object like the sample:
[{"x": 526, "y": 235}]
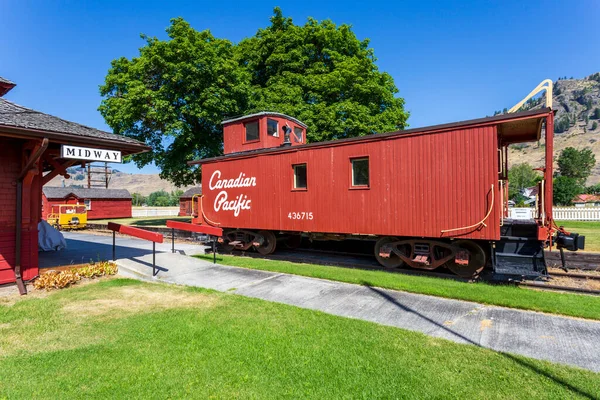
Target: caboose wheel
[
  {"x": 476, "y": 259},
  {"x": 228, "y": 237},
  {"x": 293, "y": 241},
  {"x": 269, "y": 243},
  {"x": 381, "y": 247}
]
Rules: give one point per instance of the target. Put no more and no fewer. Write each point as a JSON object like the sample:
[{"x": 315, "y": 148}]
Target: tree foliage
[
  {"x": 175, "y": 94},
  {"x": 162, "y": 198},
  {"x": 173, "y": 97},
  {"x": 137, "y": 199},
  {"x": 565, "y": 190},
  {"x": 576, "y": 164},
  {"x": 520, "y": 176},
  {"x": 323, "y": 75}
]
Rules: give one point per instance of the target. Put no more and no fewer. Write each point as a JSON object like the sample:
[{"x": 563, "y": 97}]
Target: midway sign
[{"x": 90, "y": 154}]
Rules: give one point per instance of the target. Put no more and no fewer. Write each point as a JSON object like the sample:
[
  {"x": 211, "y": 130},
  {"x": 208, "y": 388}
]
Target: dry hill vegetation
[
  {"x": 577, "y": 122},
  {"x": 143, "y": 184}
]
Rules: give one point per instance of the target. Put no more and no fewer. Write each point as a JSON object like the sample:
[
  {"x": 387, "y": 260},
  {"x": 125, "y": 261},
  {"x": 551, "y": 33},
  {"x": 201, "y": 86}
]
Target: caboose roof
[
  {"x": 264, "y": 114},
  {"x": 516, "y": 127}
]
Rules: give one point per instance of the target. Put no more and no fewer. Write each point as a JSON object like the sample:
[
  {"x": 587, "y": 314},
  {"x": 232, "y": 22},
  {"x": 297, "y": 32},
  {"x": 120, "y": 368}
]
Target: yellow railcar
[{"x": 68, "y": 216}]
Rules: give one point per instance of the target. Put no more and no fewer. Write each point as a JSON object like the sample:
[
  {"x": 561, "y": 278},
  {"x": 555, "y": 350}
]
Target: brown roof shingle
[{"x": 14, "y": 115}]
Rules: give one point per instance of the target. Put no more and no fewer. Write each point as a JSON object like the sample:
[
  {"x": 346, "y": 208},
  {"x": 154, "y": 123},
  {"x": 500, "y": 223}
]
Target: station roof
[
  {"x": 191, "y": 192},
  {"x": 23, "y": 122},
  {"x": 516, "y": 127},
  {"x": 5, "y": 86},
  {"x": 85, "y": 193}
]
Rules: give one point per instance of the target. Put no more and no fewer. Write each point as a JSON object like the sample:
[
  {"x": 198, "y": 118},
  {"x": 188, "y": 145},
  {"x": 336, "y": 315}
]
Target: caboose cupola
[{"x": 262, "y": 130}]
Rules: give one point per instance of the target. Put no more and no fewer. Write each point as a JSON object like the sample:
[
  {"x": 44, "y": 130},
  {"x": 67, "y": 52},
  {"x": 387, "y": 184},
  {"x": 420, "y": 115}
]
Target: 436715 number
[{"x": 300, "y": 215}]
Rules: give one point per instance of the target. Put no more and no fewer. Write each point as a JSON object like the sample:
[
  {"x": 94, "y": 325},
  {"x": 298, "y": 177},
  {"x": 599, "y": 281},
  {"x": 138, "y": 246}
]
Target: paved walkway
[
  {"x": 83, "y": 247},
  {"x": 559, "y": 339}
]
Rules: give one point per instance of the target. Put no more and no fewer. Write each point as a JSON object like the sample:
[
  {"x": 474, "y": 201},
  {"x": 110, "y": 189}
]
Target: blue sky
[{"x": 451, "y": 60}]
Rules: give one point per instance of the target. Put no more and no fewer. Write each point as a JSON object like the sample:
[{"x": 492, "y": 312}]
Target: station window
[
  {"x": 252, "y": 131},
  {"x": 298, "y": 135},
  {"x": 88, "y": 204},
  {"x": 272, "y": 126},
  {"x": 300, "y": 176},
  {"x": 360, "y": 171}
]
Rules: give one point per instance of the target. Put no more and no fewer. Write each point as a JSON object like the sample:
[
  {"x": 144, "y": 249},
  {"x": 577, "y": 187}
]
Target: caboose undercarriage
[{"x": 519, "y": 252}]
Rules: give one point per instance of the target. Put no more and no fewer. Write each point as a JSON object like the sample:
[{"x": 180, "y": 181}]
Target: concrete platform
[
  {"x": 542, "y": 336},
  {"x": 83, "y": 247}
]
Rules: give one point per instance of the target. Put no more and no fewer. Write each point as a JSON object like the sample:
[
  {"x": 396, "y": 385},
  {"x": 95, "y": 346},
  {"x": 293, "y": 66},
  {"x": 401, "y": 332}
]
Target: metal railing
[
  {"x": 138, "y": 233},
  {"x": 206, "y": 229}
]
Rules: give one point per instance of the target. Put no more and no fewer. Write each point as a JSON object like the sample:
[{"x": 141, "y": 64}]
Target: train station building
[{"x": 34, "y": 148}]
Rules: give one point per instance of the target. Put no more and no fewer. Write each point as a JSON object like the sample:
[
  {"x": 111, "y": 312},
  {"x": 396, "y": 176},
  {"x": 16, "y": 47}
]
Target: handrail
[
  {"x": 184, "y": 226},
  {"x": 193, "y": 197},
  {"x": 205, "y": 218},
  {"x": 138, "y": 233},
  {"x": 477, "y": 225},
  {"x": 546, "y": 85}
]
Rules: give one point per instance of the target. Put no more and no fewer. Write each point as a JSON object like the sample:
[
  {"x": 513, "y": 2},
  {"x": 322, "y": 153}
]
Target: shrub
[{"x": 61, "y": 279}]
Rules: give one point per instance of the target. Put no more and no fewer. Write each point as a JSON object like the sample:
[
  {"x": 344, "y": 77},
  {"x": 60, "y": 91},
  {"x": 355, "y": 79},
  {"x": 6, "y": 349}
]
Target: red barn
[
  {"x": 185, "y": 201},
  {"x": 34, "y": 148},
  {"x": 100, "y": 203}
]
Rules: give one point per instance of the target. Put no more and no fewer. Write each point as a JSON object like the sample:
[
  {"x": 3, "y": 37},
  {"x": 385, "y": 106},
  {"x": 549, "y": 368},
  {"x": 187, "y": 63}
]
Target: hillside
[
  {"x": 577, "y": 122},
  {"x": 135, "y": 183}
]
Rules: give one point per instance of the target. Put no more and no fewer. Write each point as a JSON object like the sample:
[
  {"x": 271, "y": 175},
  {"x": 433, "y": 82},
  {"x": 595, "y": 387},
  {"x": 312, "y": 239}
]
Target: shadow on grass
[
  {"x": 158, "y": 221},
  {"x": 517, "y": 360}
]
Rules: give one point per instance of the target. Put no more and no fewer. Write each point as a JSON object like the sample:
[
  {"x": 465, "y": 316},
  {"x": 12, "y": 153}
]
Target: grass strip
[
  {"x": 500, "y": 295},
  {"x": 126, "y": 339}
]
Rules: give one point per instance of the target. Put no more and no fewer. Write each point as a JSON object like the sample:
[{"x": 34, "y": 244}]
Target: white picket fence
[
  {"x": 154, "y": 212},
  {"x": 559, "y": 213},
  {"x": 576, "y": 213}
]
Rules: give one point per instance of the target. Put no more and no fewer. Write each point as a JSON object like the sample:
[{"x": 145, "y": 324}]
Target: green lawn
[
  {"x": 591, "y": 230},
  {"x": 142, "y": 221},
  {"x": 500, "y": 295},
  {"x": 126, "y": 339}
]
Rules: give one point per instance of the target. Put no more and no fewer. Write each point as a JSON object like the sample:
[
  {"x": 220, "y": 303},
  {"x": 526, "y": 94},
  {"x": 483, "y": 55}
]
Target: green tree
[
  {"x": 565, "y": 190},
  {"x": 594, "y": 126},
  {"x": 576, "y": 164},
  {"x": 137, "y": 199},
  {"x": 323, "y": 75},
  {"x": 594, "y": 189},
  {"x": 520, "y": 176},
  {"x": 596, "y": 113},
  {"x": 173, "y": 97},
  {"x": 175, "y": 94},
  {"x": 175, "y": 195},
  {"x": 159, "y": 198}
]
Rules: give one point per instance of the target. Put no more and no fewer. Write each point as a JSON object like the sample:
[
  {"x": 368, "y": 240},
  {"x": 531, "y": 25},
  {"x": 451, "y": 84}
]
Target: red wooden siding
[
  {"x": 185, "y": 207},
  {"x": 10, "y": 154},
  {"x": 420, "y": 184},
  {"x": 234, "y": 134},
  {"x": 101, "y": 208}
]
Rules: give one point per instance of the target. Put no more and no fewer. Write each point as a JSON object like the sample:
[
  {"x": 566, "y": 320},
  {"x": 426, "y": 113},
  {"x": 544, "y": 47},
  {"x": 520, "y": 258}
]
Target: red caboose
[{"x": 430, "y": 196}]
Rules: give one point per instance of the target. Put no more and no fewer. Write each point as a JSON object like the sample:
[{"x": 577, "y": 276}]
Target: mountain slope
[
  {"x": 576, "y": 122},
  {"x": 135, "y": 183}
]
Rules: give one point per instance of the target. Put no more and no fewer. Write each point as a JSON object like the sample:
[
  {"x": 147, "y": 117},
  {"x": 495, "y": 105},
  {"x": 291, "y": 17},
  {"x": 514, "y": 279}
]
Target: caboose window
[
  {"x": 360, "y": 171},
  {"x": 272, "y": 126},
  {"x": 298, "y": 134},
  {"x": 300, "y": 176},
  {"x": 252, "y": 131}
]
